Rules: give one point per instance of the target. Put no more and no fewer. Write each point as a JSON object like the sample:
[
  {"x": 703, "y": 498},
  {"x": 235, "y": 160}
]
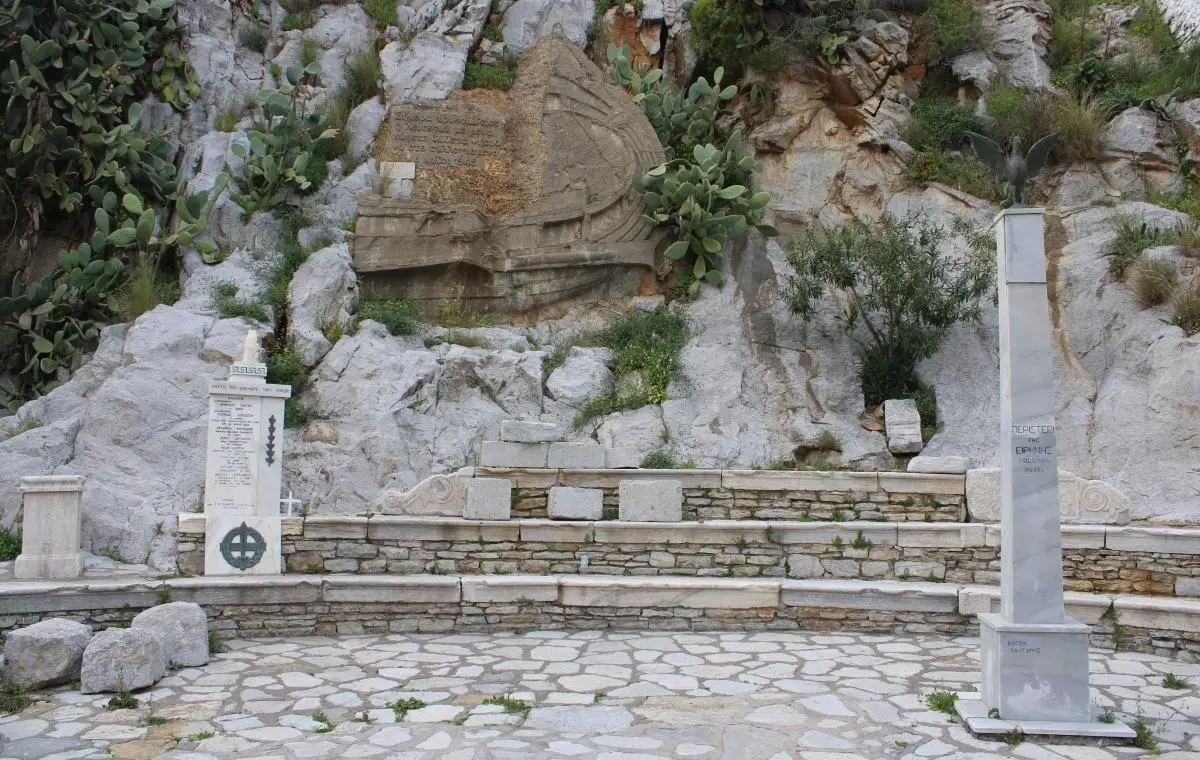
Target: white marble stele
[
  {"x": 50, "y": 534},
  {"x": 244, "y": 464},
  {"x": 1034, "y": 657}
]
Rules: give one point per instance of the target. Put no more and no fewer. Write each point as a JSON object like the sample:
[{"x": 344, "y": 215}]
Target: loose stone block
[
  {"x": 182, "y": 631},
  {"x": 488, "y": 499},
  {"x": 567, "y": 503},
  {"x": 939, "y": 465},
  {"x": 903, "y": 424},
  {"x": 621, "y": 458},
  {"x": 576, "y": 456},
  {"x": 122, "y": 658},
  {"x": 506, "y": 454},
  {"x": 53, "y": 508},
  {"x": 650, "y": 500},
  {"x": 45, "y": 653},
  {"x": 528, "y": 432}
]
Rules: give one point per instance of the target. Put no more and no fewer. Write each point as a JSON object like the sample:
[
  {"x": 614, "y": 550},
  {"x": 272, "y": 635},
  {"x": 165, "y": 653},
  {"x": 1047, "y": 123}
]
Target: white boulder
[
  {"x": 528, "y": 21},
  {"x": 181, "y": 629},
  {"x": 322, "y": 295},
  {"x": 122, "y": 659},
  {"x": 46, "y": 653},
  {"x": 583, "y": 376}
]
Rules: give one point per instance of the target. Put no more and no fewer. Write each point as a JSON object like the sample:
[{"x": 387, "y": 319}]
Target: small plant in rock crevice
[
  {"x": 1144, "y": 736},
  {"x": 1173, "y": 681},
  {"x": 860, "y": 542},
  {"x": 1154, "y": 281},
  {"x": 510, "y": 705},
  {"x": 402, "y": 707},
  {"x": 10, "y": 544},
  {"x": 122, "y": 700},
  {"x": 1107, "y": 716},
  {"x": 215, "y": 645},
  {"x": 13, "y": 698},
  {"x": 941, "y": 701},
  {"x": 398, "y": 315},
  {"x": 325, "y": 724},
  {"x": 1185, "y": 307}
]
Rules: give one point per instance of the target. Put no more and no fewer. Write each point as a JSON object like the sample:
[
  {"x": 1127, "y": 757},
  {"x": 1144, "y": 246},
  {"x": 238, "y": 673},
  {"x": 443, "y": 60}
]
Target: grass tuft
[
  {"x": 941, "y": 701},
  {"x": 1172, "y": 681},
  {"x": 1154, "y": 282},
  {"x": 401, "y": 707},
  {"x": 398, "y": 315},
  {"x": 13, "y": 698},
  {"x": 485, "y": 75},
  {"x": 510, "y": 705}
]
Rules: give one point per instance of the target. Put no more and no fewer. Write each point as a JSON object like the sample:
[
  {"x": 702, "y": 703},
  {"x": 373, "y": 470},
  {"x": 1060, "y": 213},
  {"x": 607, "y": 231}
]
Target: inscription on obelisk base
[
  {"x": 1034, "y": 657},
  {"x": 244, "y": 469}
]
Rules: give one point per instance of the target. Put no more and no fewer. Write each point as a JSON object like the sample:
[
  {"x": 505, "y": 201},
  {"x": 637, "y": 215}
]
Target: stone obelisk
[{"x": 1035, "y": 658}]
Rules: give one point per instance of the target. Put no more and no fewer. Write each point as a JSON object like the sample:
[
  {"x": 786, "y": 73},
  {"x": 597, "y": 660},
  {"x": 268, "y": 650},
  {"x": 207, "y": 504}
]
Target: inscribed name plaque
[
  {"x": 245, "y": 446},
  {"x": 446, "y": 134}
]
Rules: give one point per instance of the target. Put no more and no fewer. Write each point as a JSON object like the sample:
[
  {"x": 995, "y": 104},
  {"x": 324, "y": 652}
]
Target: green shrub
[
  {"x": 309, "y": 51},
  {"x": 968, "y": 175},
  {"x": 294, "y": 21},
  {"x": 899, "y": 284},
  {"x": 1080, "y": 120},
  {"x": 1072, "y": 39},
  {"x": 1154, "y": 282},
  {"x": 230, "y": 306},
  {"x": 362, "y": 84},
  {"x": 383, "y": 12},
  {"x": 660, "y": 460},
  {"x": 957, "y": 27},
  {"x": 10, "y": 545},
  {"x": 398, "y": 315},
  {"x": 1187, "y": 201},
  {"x": 941, "y": 701},
  {"x": 647, "y": 346},
  {"x": 284, "y": 366},
  {"x": 493, "y": 32},
  {"x": 227, "y": 120},
  {"x": 254, "y": 37},
  {"x": 287, "y": 151},
  {"x": 1185, "y": 307},
  {"x": 13, "y": 698},
  {"x": 1012, "y": 112},
  {"x": 725, "y": 34},
  {"x": 71, "y": 76},
  {"x": 485, "y": 75},
  {"x": 939, "y": 125},
  {"x": 1133, "y": 237}
]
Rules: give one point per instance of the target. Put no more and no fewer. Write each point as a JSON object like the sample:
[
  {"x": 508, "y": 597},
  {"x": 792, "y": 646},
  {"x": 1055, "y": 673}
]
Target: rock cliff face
[{"x": 755, "y": 384}]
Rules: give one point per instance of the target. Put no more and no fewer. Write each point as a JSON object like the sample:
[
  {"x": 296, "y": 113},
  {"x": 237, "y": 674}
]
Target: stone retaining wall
[
  {"x": 1105, "y": 559},
  {"x": 302, "y": 605},
  {"x": 761, "y": 494}
]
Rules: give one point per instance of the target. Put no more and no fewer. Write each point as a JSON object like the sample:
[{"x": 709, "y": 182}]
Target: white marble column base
[
  {"x": 974, "y": 713},
  {"x": 1035, "y": 671},
  {"x": 51, "y": 567}
]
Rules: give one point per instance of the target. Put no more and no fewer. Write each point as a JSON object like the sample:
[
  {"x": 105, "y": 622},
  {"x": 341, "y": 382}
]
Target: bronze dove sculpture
[{"x": 1014, "y": 167}]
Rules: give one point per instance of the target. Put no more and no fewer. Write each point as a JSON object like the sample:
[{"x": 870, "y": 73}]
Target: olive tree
[{"x": 902, "y": 283}]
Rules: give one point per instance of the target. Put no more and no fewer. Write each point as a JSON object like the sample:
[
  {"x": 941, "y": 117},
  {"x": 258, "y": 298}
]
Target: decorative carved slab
[
  {"x": 519, "y": 199},
  {"x": 1091, "y": 502},
  {"x": 436, "y": 495}
]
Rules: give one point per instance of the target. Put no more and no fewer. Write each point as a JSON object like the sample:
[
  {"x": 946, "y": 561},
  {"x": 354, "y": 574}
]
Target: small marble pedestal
[
  {"x": 53, "y": 508},
  {"x": 1035, "y": 671}
]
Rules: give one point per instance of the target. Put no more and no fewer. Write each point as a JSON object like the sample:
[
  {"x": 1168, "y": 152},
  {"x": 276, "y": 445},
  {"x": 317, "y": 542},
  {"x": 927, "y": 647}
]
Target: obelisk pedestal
[{"x": 1034, "y": 657}]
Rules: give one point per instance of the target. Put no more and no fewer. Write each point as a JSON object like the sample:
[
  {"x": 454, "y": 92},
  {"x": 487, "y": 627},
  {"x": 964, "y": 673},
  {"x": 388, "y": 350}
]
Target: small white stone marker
[
  {"x": 1034, "y": 657},
  {"x": 903, "y": 424},
  {"x": 53, "y": 508},
  {"x": 244, "y": 469}
]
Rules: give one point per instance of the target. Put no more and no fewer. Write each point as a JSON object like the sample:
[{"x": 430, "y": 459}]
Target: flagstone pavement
[{"x": 592, "y": 695}]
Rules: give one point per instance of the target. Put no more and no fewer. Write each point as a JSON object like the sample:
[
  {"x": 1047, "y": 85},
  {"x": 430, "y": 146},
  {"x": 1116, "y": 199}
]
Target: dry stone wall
[{"x": 1099, "y": 559}]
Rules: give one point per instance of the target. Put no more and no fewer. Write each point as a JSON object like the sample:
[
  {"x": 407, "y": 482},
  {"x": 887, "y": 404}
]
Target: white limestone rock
[
  {"x": 181, "y": 629},
  {"x": 46, "y": 653},
  {"x": 228, "y": 75},
  {"x": 583, "y": 376},
  {"x": 429, "y": 67},
  {"x": 639, "y": 430},
  {"x": 528, "y": 21},
  {"x": 143, "y": 393},
  {"x": 122, "y": 659},
  {"x": 1139, "y": 135},
  {"x": 1018, "y": 34},
  {"x": 362, "y": 126},
  {"x": 323, "y": 293}
]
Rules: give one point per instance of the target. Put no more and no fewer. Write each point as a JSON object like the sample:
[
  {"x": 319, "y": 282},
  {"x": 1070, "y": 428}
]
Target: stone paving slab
[{"x": 593, "y": 695}]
